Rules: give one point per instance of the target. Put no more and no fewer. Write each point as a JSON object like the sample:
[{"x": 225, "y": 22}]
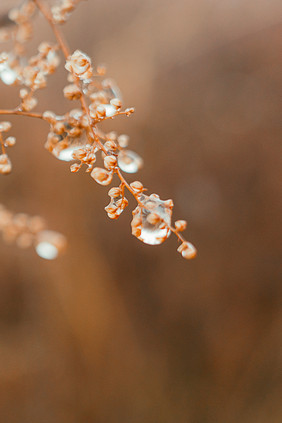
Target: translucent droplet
[
  {"x": 47, "y": 250},
  {"x": 49, "y": 244},
  {"x": 129, "y": 161},
  {"x": 153, "y": 233},
  {"x": 65, "y": 152},
  {"x": 110, "y": 110},
  {"x": 111, "y": 89},
  {"x": 8, "y": 76}
]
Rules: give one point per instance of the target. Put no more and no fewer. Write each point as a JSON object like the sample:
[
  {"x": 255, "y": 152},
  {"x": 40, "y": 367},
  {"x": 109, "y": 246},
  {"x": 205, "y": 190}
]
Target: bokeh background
[{"x": 116, "y": 331}]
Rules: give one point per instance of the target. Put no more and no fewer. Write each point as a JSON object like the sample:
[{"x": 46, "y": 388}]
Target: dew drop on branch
[{"x": 129, "y": 161}]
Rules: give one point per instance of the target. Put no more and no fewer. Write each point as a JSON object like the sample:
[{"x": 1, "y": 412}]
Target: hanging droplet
[
  {"x": 129, "y": 161},
  {"x": 111, "y": 89},
  {"x": 109, "y": 109},
  {"x": 49, "y": 244},
  {"x": 150, "y": 222},
  {"x": 64, "y": 149}
]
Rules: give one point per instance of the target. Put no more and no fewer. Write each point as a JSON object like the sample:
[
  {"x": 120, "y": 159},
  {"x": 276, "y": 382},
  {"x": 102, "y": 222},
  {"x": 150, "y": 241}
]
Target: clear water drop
[
  {"x": 8, "y": 75},
  {"x": 153, "y": 234},
  {"x": 110, "y": 110},
  {"x": 66, "y": 153},
  {"x": 129, "y": 161},
  {"x": 47, "y": 250}
]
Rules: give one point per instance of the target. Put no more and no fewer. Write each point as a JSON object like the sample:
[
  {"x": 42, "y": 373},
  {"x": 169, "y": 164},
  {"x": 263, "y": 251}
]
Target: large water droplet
[
  {"x": 129, "y": 161},
  {"x": 65, "y": 152},
  {"x": 111, "y": 89},
  {"x": 46, "y": 250},
  {"x": 7, "y": 75},
  {"x": 153, "y": 233},
  {"x": 49, "y": 244},
  {"x": 110, "y": 110}
]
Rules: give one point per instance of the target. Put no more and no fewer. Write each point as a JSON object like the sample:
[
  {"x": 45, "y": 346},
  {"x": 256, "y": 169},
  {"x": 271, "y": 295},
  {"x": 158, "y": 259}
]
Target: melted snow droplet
[
  {"x": 153, "y": 233},
  {"x": 129, "y": 161},
  {"x": 46, "y": 250}
]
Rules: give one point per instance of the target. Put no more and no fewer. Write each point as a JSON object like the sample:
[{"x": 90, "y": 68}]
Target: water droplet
[
  {"x": 7, "y": 75},
  {"x": 129, "y": 161},
  {"x": 46, "y": 250},
  {"x": 157, "y": 232},
  {"x": 65, "y": 151},
  {"x": 110, "y": 110},
  {"x": 111, "y": 89},
  {"x": 49, "y": 244}
]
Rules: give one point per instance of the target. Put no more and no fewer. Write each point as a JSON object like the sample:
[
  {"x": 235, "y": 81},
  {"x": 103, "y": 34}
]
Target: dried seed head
[
  {"x": 187, "y": 250},
  {"x": 5, "y": 164},
  {"x": 72, "y": 92},
  {"x": 79, "y": 154},
  {"x": 129, "y": 111},
  {"x": 110, "y": 162},
  {"x": 5, "y": 126},
  {"x": 101, "y": 176},
  {"x": 114, "y": 192},
  {"x": 10, "y": 141},
  {"x": 180, "y": 225},
  {"x": 137, "y": 186},
  {"x": 79, "y": 64},
  {"x": 49, "y": 116},
  {"x": 110, "y": 146},
  {"x": 116, "y": 103},
  {"x": 153, "y": 218},
  {"x": 75, "y": 167}
]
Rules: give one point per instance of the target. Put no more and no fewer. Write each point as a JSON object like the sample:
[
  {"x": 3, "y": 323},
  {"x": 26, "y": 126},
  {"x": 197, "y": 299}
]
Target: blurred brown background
[{"x": 119, "y": 332}]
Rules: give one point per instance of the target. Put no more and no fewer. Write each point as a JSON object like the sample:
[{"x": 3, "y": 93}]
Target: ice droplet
[
  {"x": 129, "y": 161},
  {"x": 153, "y": 233}
]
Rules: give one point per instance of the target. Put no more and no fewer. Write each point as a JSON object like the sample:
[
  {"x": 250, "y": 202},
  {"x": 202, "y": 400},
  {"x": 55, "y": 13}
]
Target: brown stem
[{"x": 21, "y": 113}]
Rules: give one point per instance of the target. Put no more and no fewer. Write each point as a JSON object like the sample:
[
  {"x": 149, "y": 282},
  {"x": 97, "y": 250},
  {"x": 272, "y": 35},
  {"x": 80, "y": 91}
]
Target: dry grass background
[{"x": 116, "y": 331}]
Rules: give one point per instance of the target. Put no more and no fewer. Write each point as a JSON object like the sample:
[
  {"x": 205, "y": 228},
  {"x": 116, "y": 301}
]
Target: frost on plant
[{"x": 77, "y": 135}]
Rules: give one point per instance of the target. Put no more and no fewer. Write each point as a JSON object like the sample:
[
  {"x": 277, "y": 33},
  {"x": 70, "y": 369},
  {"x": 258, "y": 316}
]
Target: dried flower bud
[
  {"x": 79, "y": 64},
  {"x": 110, "y": 162},
  {"x": 110, "y": 146},
  {"x": 5, "y": 164},
  {"x": 129, "y": 111},
  {"x": 180, "y": 225},
  {"x": 116, "y": 103},
  {"x": 137, "y": 186},
  {"x": 49, "y": 116},
  {"x": 5, "y": 126},
  {"x": 72, "y": 92},
  {"x": 79, "y": 154},
  {"x": 187, "y": 250},
  {"x": 114, "y": 192},
  {"x": 10, "y": 141},
  {"x": 101, "y": 176},
  {"x": 75, "y": 167}
]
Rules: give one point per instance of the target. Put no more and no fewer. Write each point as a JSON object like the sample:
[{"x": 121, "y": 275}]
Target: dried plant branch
[{"x": 75, "y": 135}]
